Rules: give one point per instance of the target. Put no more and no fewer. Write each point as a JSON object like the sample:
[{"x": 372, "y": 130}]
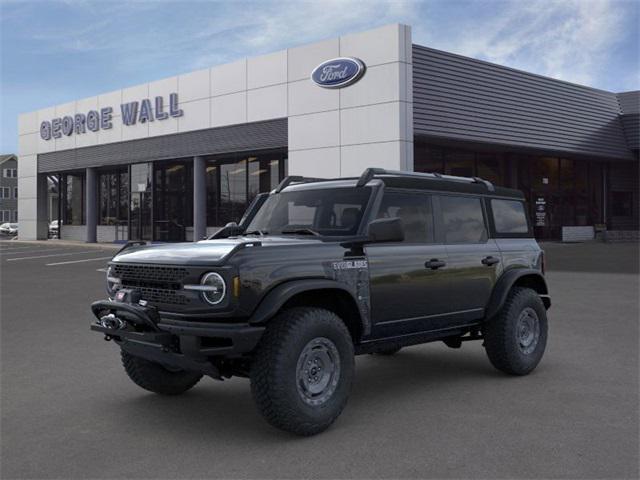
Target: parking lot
[{"x": 69, "y": 411}]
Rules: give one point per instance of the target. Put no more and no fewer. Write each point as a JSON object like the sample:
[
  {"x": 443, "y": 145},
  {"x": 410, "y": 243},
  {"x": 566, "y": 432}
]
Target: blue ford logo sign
[{"x": 338, "y": 73}]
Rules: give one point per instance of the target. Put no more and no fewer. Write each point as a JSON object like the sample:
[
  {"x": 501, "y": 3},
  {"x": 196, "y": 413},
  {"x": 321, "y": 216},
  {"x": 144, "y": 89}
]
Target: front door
[{"x": 407, "y": 279}]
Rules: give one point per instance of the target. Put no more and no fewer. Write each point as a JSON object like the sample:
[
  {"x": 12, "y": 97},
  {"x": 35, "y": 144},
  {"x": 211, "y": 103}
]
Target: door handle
[
  {"x": 489, "y": 261},
  {"x": 434, "y": 264}
]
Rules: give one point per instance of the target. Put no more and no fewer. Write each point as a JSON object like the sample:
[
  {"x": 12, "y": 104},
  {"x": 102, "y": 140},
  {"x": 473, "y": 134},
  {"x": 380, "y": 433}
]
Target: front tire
[
  {"x": 156, "y": 378},
  {"x": 515, "y": 339},
  {"x": 303, "y": 369}
]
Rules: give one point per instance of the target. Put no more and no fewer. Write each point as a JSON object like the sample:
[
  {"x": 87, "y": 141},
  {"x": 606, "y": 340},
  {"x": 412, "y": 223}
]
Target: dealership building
[{"x": 177, "y": 158}]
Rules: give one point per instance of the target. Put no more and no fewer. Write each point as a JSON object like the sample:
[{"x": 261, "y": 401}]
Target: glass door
[{"x": 140, "y": 213}]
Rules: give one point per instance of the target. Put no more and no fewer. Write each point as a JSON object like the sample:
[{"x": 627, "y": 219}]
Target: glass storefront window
[
  {"x": 73, "y": 199},
  {"x": 113, "y": 198},
  {"x": 233, "y": 182},
  {"x": 173, "y": 200},
  {"x": 491, "y": 167},
  {"x": 544, "y": 172},
  {"x": 428, "y": 159},
  {"x": 460, "y": 164}
]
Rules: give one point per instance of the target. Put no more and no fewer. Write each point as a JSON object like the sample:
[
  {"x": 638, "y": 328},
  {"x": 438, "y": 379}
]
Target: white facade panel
[
  {"x": 27, "y": 166},
  {"x": 113, "y": 134},
  {"x": 194, "y": 85},
  {"x": 162, "y": 88},
  {"x": 163, "y": 127},
  {"x": 267, "y": 70},
  {"x": 45, "y": 146},
  {"x": 319, "y": 162},
  {"x": 131, "y": 132},
  {"x": 229, "y": 78},
  {"x": 267, "y": 103},
  {"x": 315, "y": 130},
  {"x": 87, "y": 139},
  {"x": 27, "y": 187},
  {"x": 229, "y": 109},
  {"x": 196, "y": 115},
  {"x": 303, "y": 59},
  {"x": 357, "y": 158},
  {"x": 131, "y": 94},
  {"x": 381, "y": 84},
  {"x": 370, "y": 124},
  {"x": 87, "y": 104},
  {"x": 306, "y": 97},
  {"x": 28, "y": 144}
]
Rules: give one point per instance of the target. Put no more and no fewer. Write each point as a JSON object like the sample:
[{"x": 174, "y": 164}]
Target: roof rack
[
  {"x": 371, "y": 173},
  {"x": 297, "y": 179}
]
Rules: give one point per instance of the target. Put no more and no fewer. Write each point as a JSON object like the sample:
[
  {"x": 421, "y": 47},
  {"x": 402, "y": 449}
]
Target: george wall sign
[
  {"x": 94, "y": 120},
  {"x": 338, "y": 72}
]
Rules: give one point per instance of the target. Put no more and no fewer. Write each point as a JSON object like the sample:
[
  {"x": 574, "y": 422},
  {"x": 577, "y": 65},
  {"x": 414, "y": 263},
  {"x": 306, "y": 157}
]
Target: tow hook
[
  {"x": 112, "y": 322},
  {"x": 107, "y": 338}
]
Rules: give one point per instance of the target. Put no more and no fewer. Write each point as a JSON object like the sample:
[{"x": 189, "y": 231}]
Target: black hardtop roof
[{"x": 405, "y": 180}]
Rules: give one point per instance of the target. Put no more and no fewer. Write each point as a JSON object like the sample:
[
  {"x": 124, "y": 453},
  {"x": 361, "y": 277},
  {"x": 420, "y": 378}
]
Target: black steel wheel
[
  {"x": 302, "y": 371},
  {"x": 516, "y": 338}
]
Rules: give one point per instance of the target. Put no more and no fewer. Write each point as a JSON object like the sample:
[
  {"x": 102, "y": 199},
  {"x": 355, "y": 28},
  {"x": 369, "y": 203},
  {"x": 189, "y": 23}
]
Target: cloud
[{"x": 570, "y": 40}]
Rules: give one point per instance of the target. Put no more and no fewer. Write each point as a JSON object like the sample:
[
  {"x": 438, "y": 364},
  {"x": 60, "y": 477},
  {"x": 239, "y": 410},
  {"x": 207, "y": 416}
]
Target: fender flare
[
  {"x": 273, "y": 300},
  {"x": 508, "y": 280}
]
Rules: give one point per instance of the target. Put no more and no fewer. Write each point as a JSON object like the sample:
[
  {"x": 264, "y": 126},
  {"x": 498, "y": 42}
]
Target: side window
[
  {"x": 414, "y": 209},
  {"x": 462, "y": 219},
  {"x": 509, "y": 216}
]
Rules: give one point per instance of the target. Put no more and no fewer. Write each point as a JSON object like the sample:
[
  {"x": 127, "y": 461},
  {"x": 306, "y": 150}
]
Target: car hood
[{"x": 205, "y": 252}]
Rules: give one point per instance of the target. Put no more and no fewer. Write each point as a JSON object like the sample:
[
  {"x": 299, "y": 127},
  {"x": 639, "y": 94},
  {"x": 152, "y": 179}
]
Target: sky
[{"x": 55, "y": 51}]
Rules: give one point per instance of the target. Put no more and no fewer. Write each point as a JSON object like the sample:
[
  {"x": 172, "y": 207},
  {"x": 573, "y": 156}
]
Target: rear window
[
  {"x": 509, "y": 216},
  {"x": 463, "y": 220}
]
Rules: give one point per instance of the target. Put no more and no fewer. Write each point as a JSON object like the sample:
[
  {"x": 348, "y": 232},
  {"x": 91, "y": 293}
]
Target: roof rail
[
  {"x": 298, "y": 179},
  {"x": 370, "y": 173}
]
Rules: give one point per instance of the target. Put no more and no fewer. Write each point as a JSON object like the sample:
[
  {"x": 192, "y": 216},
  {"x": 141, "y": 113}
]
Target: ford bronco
[{"x": 318, "y": 271}]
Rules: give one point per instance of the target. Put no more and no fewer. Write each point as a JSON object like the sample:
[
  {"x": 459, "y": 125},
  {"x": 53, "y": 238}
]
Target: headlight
[
  {"x": 214, "y": 288},
  {"x": 113, "y": 283}
]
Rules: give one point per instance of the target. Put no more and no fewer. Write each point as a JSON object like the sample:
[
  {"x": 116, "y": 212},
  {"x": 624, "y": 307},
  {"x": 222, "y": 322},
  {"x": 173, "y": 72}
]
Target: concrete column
[
  {"x": 91, "y": 205},
  {"x": 199, "y": 198}
]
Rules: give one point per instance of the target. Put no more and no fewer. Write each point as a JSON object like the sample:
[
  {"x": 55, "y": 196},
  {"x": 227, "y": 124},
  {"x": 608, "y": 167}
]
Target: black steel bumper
[{"x": 182, "y": 344}]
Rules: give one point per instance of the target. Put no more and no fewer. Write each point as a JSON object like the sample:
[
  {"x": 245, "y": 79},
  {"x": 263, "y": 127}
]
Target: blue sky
[{"x": 57, "y": 51}]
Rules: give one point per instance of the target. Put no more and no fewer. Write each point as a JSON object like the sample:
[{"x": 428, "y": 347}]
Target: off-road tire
[
  {"x": 501, "y": 339},
  {"x": 275, "y": 384},
  {"x": 156, "y": 378}
]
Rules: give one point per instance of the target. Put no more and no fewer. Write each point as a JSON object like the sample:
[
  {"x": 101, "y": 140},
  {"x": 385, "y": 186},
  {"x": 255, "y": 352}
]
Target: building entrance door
[{"x": 140, "y": 216}]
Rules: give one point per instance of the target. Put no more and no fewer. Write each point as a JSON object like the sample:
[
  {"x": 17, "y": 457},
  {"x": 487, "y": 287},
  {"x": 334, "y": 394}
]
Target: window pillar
[
  {"x": 199, "y": 198},
  {"x": 91, "y": 205}
]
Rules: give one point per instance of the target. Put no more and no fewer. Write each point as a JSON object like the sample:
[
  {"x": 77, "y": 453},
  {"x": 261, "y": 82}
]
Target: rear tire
[
  {"x": 515, "y": 339},
  {"x": 303, "y": 369},
  {"x": 156, "y": 378}
]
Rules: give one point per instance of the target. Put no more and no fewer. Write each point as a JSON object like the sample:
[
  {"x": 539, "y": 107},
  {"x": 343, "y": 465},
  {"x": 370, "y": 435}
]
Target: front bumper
[{"x": 177, "y": 343}]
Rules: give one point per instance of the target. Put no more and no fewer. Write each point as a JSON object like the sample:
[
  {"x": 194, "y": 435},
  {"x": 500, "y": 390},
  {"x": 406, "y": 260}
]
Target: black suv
[{"x": 318, "y": 271}]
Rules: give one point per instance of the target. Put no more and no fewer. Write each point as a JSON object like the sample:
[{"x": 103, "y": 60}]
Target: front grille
[{"x": 156, "y": 284}]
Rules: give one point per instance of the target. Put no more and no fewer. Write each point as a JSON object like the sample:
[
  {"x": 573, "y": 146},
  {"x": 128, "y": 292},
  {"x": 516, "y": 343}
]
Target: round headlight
[
  {"x": 113, "y": 283},
  {"x": 215, "y": 288}
]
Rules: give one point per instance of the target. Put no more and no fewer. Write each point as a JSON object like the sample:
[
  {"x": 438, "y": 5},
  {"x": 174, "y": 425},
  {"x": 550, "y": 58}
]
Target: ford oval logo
[{"x": 338, "y": 73}]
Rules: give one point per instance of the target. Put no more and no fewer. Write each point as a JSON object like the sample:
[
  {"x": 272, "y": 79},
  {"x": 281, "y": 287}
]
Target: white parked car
[{"x": 9, "y": 228}]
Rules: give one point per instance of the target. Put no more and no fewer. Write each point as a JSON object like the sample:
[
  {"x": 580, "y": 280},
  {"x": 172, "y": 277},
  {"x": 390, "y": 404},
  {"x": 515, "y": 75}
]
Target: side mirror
[{"x": 386, "y": 230}]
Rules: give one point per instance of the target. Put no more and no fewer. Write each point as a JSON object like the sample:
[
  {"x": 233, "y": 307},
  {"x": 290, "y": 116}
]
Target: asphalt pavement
[{"x": 69, "y": 411}]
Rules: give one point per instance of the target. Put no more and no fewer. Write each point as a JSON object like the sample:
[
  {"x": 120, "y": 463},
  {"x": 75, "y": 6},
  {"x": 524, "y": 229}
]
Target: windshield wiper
[
  {"x": 301, "y": 231},
  {"x": 257, "y": 232}
]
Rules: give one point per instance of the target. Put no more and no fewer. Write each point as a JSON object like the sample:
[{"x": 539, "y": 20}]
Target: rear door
[
  {"x": 474, "y": 261},
  {"x": 407, "y": 296}
]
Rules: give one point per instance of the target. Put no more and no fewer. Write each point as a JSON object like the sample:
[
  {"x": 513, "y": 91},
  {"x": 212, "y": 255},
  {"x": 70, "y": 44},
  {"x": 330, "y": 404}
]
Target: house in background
[{"x": 9, "y": 188}]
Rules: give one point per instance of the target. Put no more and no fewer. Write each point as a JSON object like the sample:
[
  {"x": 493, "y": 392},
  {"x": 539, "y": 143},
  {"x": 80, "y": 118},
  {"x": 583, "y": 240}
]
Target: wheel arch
[
  {"x": 527, "y": 278},
  {"x": 320, "y": 293}
]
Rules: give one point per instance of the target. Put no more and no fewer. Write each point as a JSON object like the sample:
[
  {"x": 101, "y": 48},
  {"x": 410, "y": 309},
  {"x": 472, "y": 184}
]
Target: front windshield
[{"x": 325, "y": 212}]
